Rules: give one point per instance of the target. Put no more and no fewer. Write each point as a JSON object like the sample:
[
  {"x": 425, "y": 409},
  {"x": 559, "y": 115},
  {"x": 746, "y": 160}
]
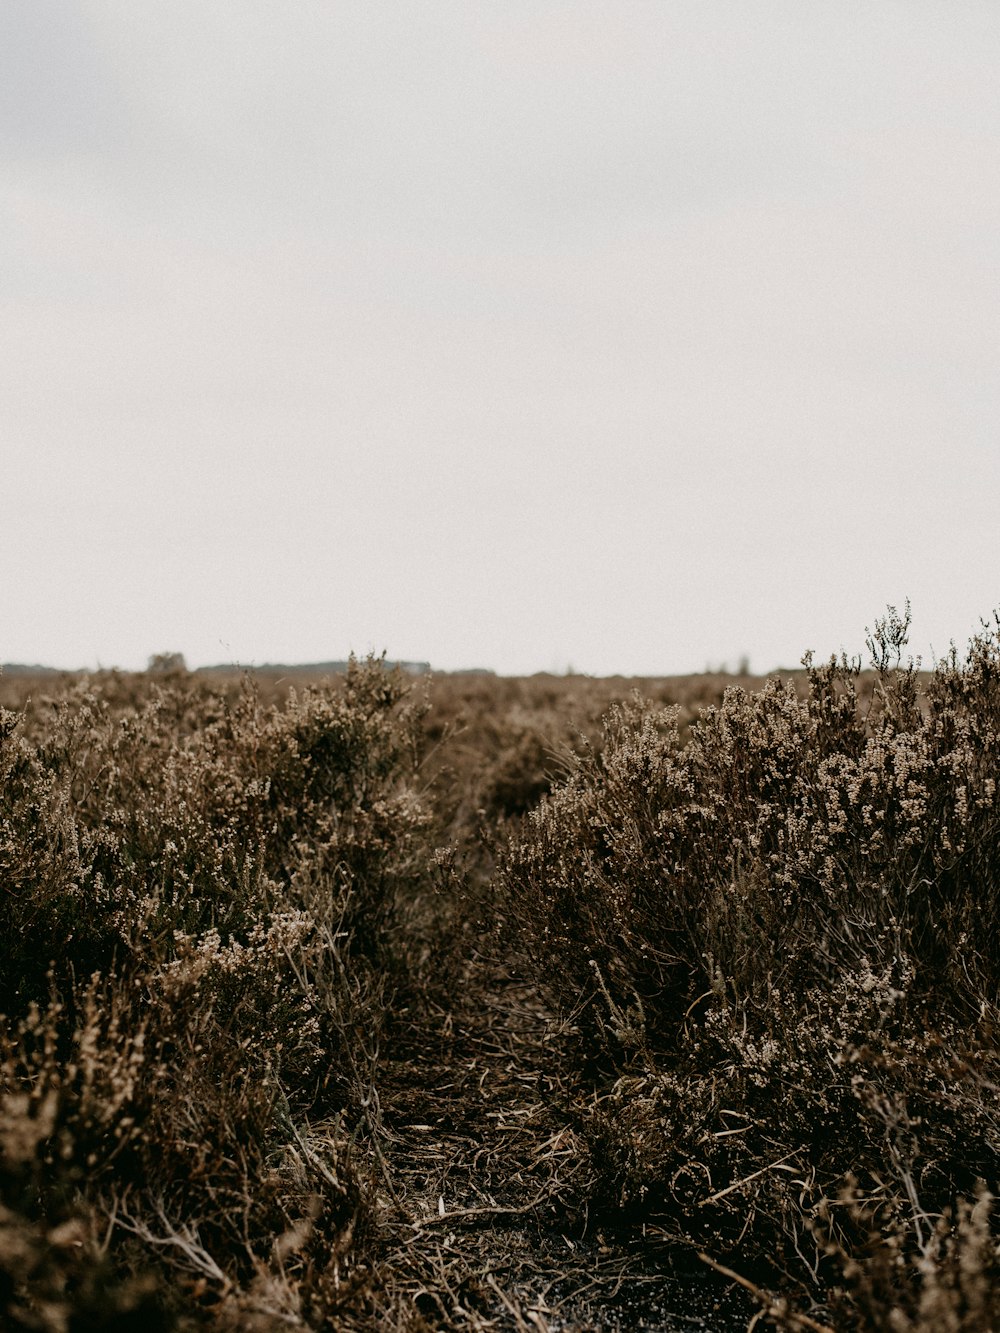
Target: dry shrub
[
  {"x": 782, "y": 942},
  {"x": 773, "y": 916},
  {"x": 209, "y": 905},
  {"x": 948, "y": 1283}
]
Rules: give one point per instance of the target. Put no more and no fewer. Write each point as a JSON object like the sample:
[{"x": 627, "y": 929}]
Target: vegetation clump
[
  {"x": 202, "y": 903},
  {"x": 781, "y": 943},
  {"x": 371, "y": 1002}
]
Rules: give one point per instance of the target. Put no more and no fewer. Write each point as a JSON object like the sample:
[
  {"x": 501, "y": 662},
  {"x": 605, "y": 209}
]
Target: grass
[{"x": 484, "y": 1003}]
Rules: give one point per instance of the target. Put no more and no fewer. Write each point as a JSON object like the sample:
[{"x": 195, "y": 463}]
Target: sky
[{"x": 620, "y": 338}]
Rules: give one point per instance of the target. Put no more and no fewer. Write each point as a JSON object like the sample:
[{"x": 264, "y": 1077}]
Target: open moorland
[{"x": 381, "y": 1001}]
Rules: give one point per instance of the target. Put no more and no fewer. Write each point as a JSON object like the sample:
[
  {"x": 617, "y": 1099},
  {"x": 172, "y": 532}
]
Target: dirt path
[{"x": 484, "y": 1182}]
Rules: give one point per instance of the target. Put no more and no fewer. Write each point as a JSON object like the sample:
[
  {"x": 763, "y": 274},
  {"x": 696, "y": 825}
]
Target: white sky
[{"x": 635, "y": 336}]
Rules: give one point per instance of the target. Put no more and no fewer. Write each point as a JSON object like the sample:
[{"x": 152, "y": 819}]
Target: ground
[{"x": 482, "y": 1173}]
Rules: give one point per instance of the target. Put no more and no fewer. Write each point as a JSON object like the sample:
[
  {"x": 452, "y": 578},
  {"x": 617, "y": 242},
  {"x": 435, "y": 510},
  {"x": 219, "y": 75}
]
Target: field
[{"x": 465, "y": 1002}]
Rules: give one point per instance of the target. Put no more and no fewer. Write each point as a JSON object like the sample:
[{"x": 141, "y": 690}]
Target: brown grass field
[{"x": 469, "y": 1003}]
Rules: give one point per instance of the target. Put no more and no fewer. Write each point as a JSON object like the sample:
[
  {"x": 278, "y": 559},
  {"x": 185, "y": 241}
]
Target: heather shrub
[
  {"x": 209, "y": 905},
  {"x": 190, "y": 812},
  {"x": 780, "y": 942},
  {"x": 231, "y": 939}
]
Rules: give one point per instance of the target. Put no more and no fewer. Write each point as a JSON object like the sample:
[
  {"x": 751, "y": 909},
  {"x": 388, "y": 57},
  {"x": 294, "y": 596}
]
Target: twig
[
  {"x": 721, "y": 1194},
  {"x": 509, "y": 1304},
  {"x": 771, "y": 1306},
  {"x": 182, "y": 1237},
  {"x": 436, "y": 1219}
]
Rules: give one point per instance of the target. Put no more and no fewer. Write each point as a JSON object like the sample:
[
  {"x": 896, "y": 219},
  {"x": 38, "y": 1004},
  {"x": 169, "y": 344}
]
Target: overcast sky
[{"x": 622, "y": 336}]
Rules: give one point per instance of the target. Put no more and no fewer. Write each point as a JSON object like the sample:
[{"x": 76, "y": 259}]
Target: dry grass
[{"x": 472, "y": 1003}]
